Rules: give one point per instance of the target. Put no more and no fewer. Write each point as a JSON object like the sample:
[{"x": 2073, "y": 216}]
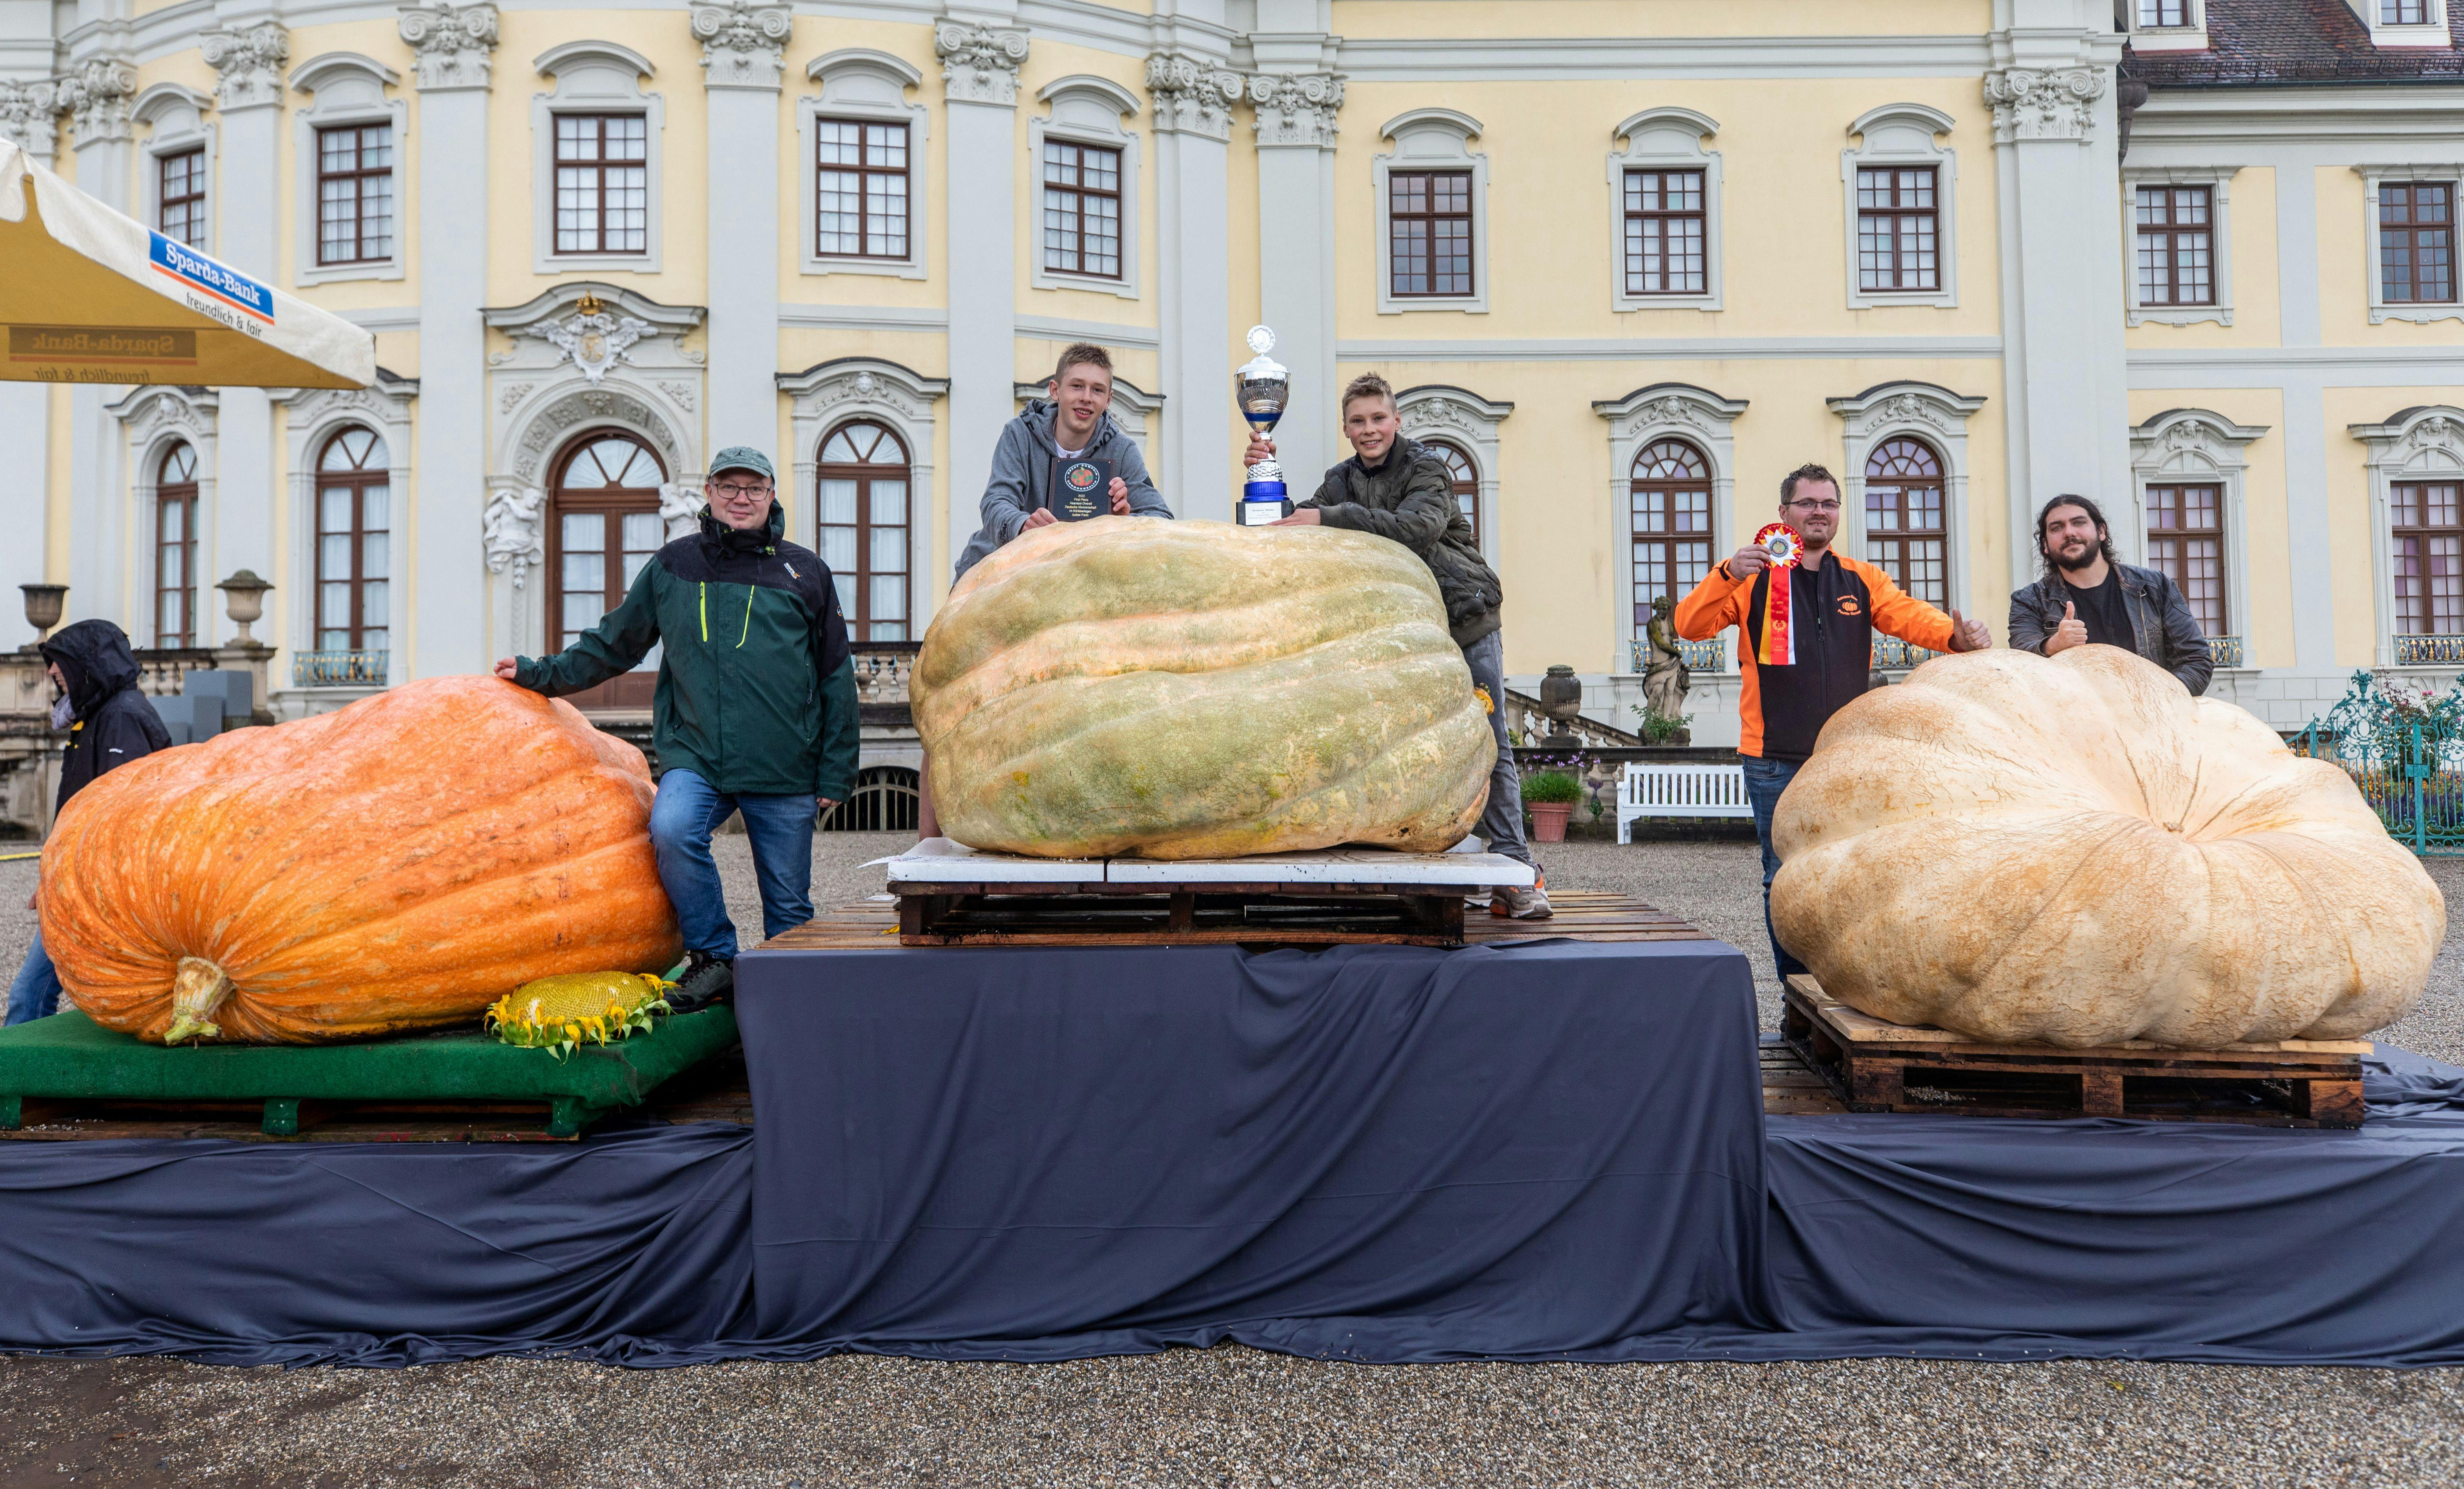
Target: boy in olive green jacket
[{"x": 756, "y": 707}]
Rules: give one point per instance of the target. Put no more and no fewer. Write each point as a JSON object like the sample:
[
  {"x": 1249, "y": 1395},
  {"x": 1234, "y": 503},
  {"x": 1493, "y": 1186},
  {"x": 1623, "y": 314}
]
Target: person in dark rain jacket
[{"x": 110, "y": 723}]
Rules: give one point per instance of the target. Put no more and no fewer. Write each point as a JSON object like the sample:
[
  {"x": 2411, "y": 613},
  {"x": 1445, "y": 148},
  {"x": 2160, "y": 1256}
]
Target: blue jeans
[
  {"x": 1501, "y": 822},
  {"x": 780, "y": 829},
  {"x": 1765, "y": 781},
  {"x": 36, "y": 991}
]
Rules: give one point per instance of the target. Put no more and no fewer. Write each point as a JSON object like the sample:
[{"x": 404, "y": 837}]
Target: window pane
[
  {"x": 334, "y": 557},
  {"x": 889, "y": 595},
  {"x": 643, "y": 533},
  {"x": 889, "y": 550},
  {"x": 372, "y": 613},
  {"x": 372, "y": 556},
  {"x": 837, "y": 551},
  {"x": 585, "y": 572},
  {"x": 889, "y": 502},
  {"x": 583, "y": 531},
  {"x": 372, "y": 507},
  {"x": 838, "y": 499}
]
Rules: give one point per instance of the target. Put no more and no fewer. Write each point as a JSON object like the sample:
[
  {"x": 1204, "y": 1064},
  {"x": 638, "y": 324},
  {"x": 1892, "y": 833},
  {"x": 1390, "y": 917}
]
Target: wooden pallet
[
  {"x": 68, "y": 1119},
  {"x": 1875, "y": 1065},
  {"x": 873, "y": 925}
]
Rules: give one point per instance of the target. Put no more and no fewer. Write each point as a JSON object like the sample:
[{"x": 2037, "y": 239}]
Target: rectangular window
[
  {"x": 2404, "y": 12},
  {"x": 2429, "y": 557},
  {"x": 1905, "y": 537},
  {"x": 351, "y": 565},
  {"x": 2416, "y": 243},
  {"x": 2164, "y": 12},
  {"x": 1429, "y": 215},
  {"x": 859, "y": 189},
  {"x": 1664, "y": 233},
  {"x": 602, "y": 183},
  {"x": 355, "y": 194},
  {"x": 2176, "y": 247},
  {"x": 181, "y": 197},
  {"x": 175, "y": 566},
  {"x": 1082, "y": 209},
  {"x": 1897, "y": 222},
  {"x": 1672, "y": 543},
  {"x": 2186, "y": 539}
]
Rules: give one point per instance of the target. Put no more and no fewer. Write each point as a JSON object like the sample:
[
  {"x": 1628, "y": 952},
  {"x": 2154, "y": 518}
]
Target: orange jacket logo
[{"x": 1848, "y": 605}]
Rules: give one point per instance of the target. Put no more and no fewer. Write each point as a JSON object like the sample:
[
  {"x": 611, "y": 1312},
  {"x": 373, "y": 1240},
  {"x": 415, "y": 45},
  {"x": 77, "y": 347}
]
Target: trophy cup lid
[{"x": 1262, "y": 341}]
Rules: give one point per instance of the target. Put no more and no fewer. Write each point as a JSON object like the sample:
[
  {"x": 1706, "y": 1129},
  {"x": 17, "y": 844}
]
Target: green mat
[{"x": 69, "y": 1056}]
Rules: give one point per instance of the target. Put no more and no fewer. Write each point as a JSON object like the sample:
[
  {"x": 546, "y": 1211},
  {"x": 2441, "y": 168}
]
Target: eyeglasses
[
  {"x": 735, "y": 492},
  {"x": 1815, "y": 506}
]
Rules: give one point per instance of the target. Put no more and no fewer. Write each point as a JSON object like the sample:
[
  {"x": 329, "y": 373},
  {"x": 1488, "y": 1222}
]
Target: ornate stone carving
[
  {"x": 680, "y": 508},
  {"x": 513, "y": 393},
  {"x": 30, "y": 117},
  {"x": 1440, "y": 413},
  {"x": 578, "y": 408},
  {"x": 744, "y": 42},
  {"x": 451, "y": 42},
  {"x": 593, "y": 338},
  {"x": 980, "y": 63},
  {"x": 98, "y": 97},
  {"x": 1191, "y": 95},
  {"x": 1296, "y": 108},
  {"x": 2437, "y": 430},
  {"x": 249, "y": 60},
  {"x": 681, "y": 394},
  {"x": 865, "y": 387},
  {"x": 512, "y": 529},
  {"x": 2031, "y": 103}
]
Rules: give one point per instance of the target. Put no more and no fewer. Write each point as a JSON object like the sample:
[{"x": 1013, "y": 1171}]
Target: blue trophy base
[{"x": 1261, "y": 503}]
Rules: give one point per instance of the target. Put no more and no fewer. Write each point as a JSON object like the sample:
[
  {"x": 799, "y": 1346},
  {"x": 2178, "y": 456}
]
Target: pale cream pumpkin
[
  {"x": 1193, "y": 690},
  {"x": 2075, "y": 851}
]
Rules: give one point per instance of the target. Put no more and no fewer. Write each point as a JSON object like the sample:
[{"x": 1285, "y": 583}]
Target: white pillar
[
  {"x": 979, "y": 67},
  {"x": 2067, "y": 412},
  {"x": 446, "y": 632},
  {"x": 743, "y": 53},
  {"x": 249, "y": 60},
  {"x": 1193, "y": 122},
  {"x": 28, "y": 109},
  {"x": 1295, "y": 129},
  {"x": 98, "y": 94}
]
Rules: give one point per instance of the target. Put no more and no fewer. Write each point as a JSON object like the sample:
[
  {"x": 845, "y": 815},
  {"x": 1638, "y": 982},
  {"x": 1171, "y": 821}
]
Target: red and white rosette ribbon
[{"x": 1780, "y": 541}]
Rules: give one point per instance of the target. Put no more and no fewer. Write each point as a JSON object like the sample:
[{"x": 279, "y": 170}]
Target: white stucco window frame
[
  {"x": 1668, "y": 410},
  {"x": 1925, "y": 411},
  {"x": 1431, "y": 139},
  {"x": 1903, "y": 134},
  {"x": 831, "y": 393},
  {"x": 2424, "y": 443},
  {"x": 595, "y": 77},
  {"x": 2431, "y": 31},
  {"x": 860, "y": 83},
  {"x": 2197, "y": 446},
  {"x": 312, "y": 416},
  {"x": 1087, "y": 110},
  {"x": 1462, "y": 417},
  {"x": 2218, "y": 180},
  {"x": 1131, "y": 408},
  {"x": 2449, "y": 172},
  {"x": 153, "y": 420},
  {"x": 350, "y": 89},
  {"x": 2191, "y": 36},
  {"x": 1664, "y": 138},
  {"x": 176, "y": 118}
]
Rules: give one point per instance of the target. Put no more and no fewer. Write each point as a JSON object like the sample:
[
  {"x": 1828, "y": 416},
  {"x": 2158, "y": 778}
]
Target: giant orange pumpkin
[{"x": 398, "y": 865}]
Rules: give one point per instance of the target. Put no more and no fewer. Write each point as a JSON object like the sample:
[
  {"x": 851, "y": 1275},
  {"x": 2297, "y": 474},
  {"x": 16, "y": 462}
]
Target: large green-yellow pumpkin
[{"x": 1193, "y": 690}]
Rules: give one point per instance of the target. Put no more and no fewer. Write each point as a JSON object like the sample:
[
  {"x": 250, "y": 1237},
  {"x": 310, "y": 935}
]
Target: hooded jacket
[
  {"x": 757, "y": 690},
  {"x": 113, "y": 722},
  {"x": 1411, "y": 499},
  {"x": 1021, "y": 480}
]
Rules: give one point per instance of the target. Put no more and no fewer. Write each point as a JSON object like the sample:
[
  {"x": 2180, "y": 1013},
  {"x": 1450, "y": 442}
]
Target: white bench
[{"x": 1679, "y": 791}]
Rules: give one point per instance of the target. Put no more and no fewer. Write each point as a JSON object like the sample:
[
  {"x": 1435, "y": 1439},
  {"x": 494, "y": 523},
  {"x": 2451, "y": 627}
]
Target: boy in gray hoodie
[{"x": 1067, "y": 424}]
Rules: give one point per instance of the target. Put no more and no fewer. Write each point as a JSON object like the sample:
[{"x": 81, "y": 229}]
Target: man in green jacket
[{"x": 755, "y": 707}]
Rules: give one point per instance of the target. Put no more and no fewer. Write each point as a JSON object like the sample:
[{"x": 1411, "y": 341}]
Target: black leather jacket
[{"x": 2161, "y": 627}]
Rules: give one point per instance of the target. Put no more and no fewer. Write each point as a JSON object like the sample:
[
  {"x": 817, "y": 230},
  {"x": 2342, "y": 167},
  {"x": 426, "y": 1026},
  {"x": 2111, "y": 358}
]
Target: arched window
[
  {"x": 1672, "y": 523},
  {"x": 607, "y": 526},
  {"x": 1466, "y": 482},
  {"x": 175, "y": 548},
  {"x": 353, "y": 517},
  {"x": 1904, "y": 536},
  {"x": 863, "y": 537}
]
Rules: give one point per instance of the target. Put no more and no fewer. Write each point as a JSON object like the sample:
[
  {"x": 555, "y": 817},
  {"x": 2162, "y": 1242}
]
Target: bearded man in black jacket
[{"x": 109, "y": 724}]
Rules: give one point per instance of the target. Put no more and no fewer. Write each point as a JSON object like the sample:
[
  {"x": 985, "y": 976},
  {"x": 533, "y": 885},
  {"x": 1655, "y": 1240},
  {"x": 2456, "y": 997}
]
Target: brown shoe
[{"x": 1531, "y": 904}]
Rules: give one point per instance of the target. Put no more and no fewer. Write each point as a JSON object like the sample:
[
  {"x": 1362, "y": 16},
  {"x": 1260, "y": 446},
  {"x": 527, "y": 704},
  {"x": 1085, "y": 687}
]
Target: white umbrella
[{"x": 90, "y": 296}]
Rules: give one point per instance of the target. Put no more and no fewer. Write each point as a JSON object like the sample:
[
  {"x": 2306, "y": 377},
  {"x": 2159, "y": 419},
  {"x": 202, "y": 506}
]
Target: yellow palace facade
[{"x": 1631, "y": 261}]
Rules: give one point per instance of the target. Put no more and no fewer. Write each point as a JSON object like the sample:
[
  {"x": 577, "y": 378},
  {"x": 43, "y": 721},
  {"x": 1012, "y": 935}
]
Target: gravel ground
[{"x": 1237, "y": 1416}]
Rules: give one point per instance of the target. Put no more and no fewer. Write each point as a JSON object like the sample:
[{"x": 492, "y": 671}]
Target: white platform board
[{"x": 940, "y": 861}]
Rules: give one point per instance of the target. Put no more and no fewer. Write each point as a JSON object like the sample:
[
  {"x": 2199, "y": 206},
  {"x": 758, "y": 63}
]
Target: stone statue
[
  {"x": 1665, "y": 678},
  {"x": 510, "y": 530}
]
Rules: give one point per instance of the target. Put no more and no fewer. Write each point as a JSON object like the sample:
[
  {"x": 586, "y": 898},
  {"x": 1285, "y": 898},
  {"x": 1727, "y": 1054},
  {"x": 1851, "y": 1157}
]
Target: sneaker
[
  {"x": 706, "y": 979},
  {"x": 1531, "y": 904}
]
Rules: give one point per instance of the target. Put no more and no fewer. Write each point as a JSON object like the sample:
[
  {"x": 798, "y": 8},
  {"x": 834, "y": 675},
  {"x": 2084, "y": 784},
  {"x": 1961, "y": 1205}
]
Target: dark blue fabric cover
[{"x": 1379, "y": 1152}]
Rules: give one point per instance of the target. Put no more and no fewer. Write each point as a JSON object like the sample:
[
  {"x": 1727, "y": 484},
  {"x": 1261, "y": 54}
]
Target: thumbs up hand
[
  {"x": 2071, "y": 632},
  {"x": 1967, "y": 635}
]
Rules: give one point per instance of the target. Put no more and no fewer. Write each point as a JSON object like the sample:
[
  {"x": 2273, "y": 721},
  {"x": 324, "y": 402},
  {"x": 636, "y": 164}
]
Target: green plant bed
[{"x": 69, "y": 1057}]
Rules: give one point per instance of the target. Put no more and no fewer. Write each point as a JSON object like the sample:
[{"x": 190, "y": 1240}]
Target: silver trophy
[{"x": 1264, "y": 389}]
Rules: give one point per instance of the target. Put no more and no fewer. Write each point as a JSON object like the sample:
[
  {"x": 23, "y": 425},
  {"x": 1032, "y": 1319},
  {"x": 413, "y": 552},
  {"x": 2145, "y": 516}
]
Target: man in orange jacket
[{"x": 1805, "y": 647}]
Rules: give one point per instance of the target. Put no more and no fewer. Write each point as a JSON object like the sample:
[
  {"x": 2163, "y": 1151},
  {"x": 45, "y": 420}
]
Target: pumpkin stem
[{"x": 197, "y": 990}]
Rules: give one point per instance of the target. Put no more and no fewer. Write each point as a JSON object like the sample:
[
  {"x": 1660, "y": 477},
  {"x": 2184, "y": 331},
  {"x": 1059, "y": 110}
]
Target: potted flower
[{"x": 1549, "y": 797}]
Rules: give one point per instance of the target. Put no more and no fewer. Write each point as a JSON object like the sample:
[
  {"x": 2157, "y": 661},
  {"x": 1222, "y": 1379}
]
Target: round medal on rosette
[{"x": 1780, "y": 542}]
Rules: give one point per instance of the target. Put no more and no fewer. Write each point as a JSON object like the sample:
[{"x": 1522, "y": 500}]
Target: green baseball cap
[{"x": 742, "y": 457}]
